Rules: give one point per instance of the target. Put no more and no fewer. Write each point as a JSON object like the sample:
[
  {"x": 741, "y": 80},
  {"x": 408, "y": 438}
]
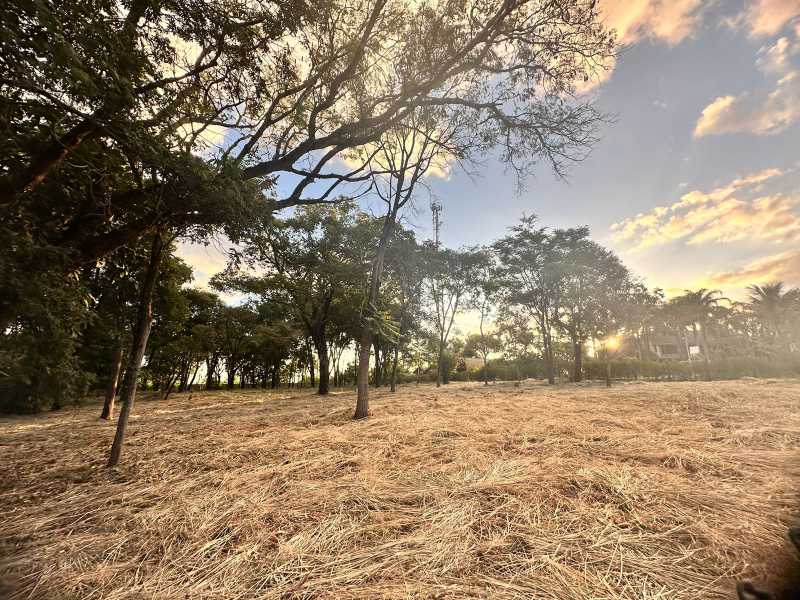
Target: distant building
[{"x": 665, "y": 343}]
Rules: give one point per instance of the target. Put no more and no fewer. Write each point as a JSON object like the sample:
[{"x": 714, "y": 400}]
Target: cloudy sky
[{"x": 697, "y": 181}]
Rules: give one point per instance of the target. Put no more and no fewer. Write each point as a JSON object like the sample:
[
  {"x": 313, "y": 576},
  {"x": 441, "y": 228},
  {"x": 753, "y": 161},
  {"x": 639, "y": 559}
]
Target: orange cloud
[
  {"x": 755, "y": 113},
  {"x": 716, "y": 216},
  {"x": 768, "y": 17},
  {"x": 634, "y": 20},
  {"x": 752, "y": 114},
  {"x": 663, "y": 20},
  {"x": 778, "y": 267}
]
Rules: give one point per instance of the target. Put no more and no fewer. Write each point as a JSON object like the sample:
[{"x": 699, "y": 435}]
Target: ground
[{"x": 653, "y": 490}]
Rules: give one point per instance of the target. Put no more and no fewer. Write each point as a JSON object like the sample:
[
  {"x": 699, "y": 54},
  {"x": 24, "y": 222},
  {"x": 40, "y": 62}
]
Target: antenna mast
[{"x": 436, "y": 209}]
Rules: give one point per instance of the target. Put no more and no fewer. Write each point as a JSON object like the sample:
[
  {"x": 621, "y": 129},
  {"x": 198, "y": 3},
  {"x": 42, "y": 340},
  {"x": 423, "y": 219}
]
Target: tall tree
[
  {"x": 528, "y": 258},
  {"x": 451, "y": 276},
  {"x": 593, "y": 286},
  {"x": 309, "y": 261}
]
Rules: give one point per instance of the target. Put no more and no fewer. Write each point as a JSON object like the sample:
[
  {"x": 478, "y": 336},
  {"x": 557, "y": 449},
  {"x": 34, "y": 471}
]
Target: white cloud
[
  {"x": 749, "y": 113},
  {"x": 700, "y": 217},
  {"x": 756, "y": 113},
  {"x": 206, "y": 261}
]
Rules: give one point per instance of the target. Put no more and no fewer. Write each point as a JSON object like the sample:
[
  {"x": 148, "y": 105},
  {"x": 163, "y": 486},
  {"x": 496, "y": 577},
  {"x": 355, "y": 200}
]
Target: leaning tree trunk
[
  {"x": 194, "y": 376},
  {"x": 144, "y": 320},
  {"x": 113, "y": 380},
  {"x": 365, "y": 341}
]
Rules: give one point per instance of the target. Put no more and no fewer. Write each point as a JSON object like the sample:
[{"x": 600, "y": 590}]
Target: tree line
[{"x": 131, "y": 125}]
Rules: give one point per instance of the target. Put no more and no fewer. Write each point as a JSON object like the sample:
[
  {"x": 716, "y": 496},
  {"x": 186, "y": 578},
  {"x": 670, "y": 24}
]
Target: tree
[
  {"x": 593, "y": 286},
  {"x": 517, "y": 336},
  {"x": 696, "y": 308},
  {"x": 451, "y": 276},
  {"x": 482, "y": 345},
  {"x": 311, "y": 261},
  {"x": 528, "y": 257},
  {"x": 775, "y": 307},
  {"x": 483, "y": 299},
  {"x": 111, "y": 123},
  {"x": 290, "y": 86},
  {"x": 141, "y": 332}
]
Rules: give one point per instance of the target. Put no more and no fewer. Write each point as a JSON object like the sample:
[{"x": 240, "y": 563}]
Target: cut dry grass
[{"x": 642, "y": 491}]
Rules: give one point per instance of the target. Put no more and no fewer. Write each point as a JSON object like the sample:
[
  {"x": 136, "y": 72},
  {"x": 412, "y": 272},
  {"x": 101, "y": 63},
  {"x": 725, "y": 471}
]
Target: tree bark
[
  {"x": 378, "y": 364},
  {"x": 231, "y": 376},
  {"x": 194, "y": 375},
  {"x": 439, "y": 375},
  {"x": 144, "y": 321},
  {"x": 211, "y": 367},
  {"x": 321, "y": 346},
  {"x": 276, "y": 375},
  {"x": 393, "y": 387},
  {"x": 549, "y": 361},
  {"x": 362, "y": 379},
  {"x": 113, "y": 380},
  {"x": 577, "y": 347}
]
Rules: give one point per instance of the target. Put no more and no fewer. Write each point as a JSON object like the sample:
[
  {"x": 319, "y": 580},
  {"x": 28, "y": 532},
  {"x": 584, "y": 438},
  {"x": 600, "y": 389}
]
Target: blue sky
[{"x": 697, "y": 180}]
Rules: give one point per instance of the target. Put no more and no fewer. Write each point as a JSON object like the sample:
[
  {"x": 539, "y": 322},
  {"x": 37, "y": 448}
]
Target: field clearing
[{"x": 657, "y": 490}]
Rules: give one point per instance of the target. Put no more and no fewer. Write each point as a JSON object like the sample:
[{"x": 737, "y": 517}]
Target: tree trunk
[
  {"x": 608, "y": 370},
  {"x": 211, "y": 367},
  {"x": 378, "y": 365},
  {"x": 144, "y": 320},
  {"x": 170, "y": 384},
  {"x": 276, "y": 375},
  {"x": 321, "y": 346},
  {"x": 439, "y": 363},
  {"x": 194, "y": 375},
  {"x": 485, "y": 369},
  {"x": 393, "y": 387},
  {"x": 577, "y": 347},
  {"x": 549, "y": 363},
  {"x": 362, "y": 379},
  {"x": 231, "y": 376},
  {"x": 113, "y": 380}
]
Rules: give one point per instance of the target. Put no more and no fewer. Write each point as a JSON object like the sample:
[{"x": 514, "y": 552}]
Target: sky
[{"x": 695, "y": 182}]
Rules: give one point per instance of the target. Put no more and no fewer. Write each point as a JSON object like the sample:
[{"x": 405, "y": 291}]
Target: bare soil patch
[{"x": 665, "y": 491}]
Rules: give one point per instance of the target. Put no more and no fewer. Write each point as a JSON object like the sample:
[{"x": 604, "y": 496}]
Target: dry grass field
[{"x": 645, "y": 491}]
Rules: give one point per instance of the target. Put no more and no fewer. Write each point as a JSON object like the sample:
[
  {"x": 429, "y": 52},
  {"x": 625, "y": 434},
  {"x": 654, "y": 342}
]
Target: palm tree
[
  {"x": 699, "y": 308},
  {"x": 772, "y": 307}
]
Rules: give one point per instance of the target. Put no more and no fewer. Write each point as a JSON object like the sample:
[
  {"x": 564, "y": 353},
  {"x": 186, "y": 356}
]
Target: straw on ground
[{"x": 644, "y": 491}]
